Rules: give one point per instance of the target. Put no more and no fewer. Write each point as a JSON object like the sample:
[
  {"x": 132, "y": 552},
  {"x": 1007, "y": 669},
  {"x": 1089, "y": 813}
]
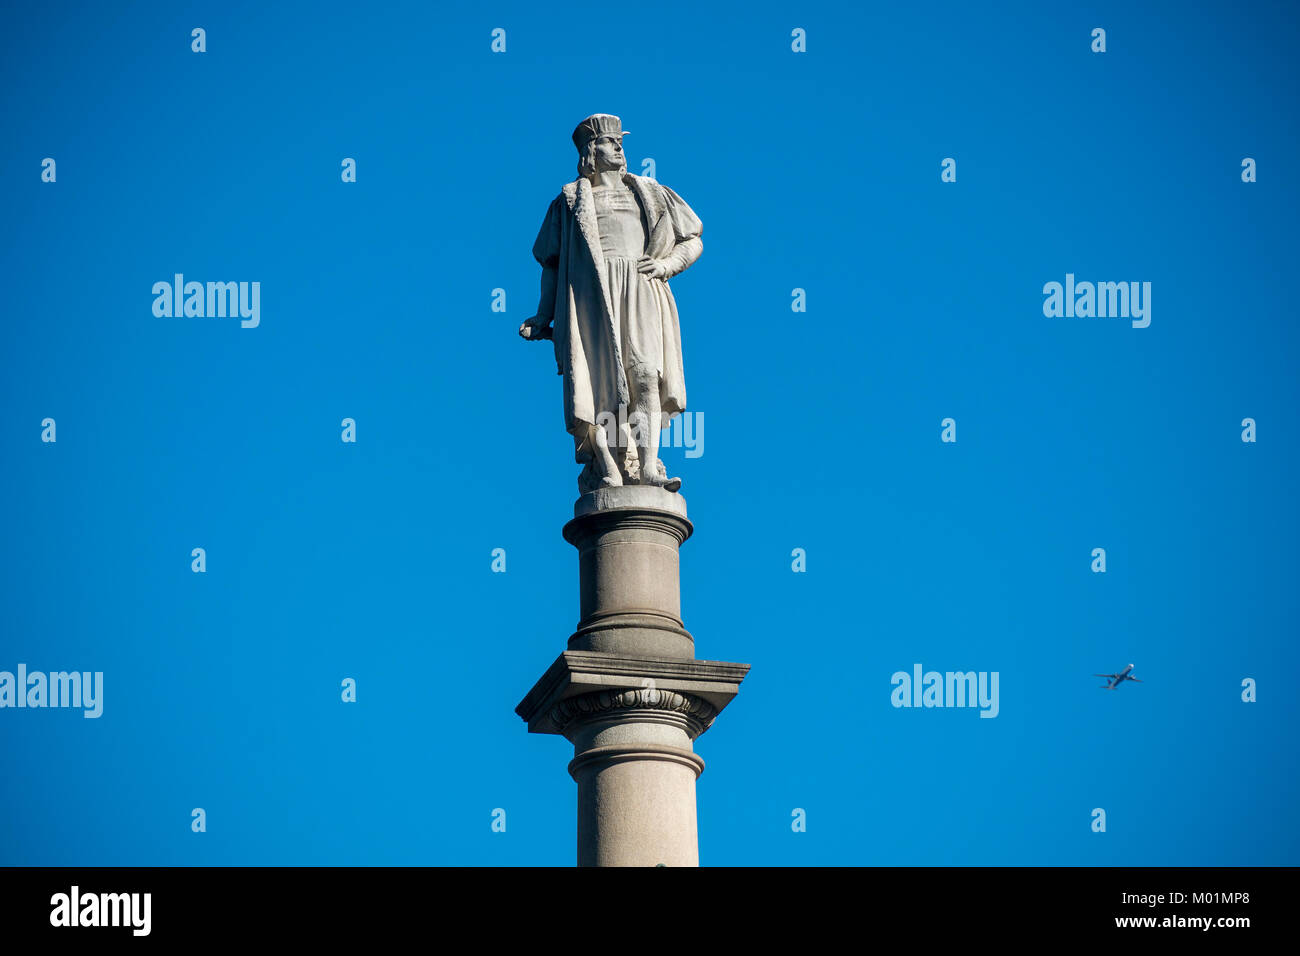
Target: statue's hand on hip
[
  {"x": 652, "y": 268},
  {"x": 535, "y": 329}
]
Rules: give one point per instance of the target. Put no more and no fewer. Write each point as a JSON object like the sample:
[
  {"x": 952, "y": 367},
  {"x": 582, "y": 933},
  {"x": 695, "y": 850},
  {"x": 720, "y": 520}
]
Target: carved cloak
[{"x": 587, "y": 351}]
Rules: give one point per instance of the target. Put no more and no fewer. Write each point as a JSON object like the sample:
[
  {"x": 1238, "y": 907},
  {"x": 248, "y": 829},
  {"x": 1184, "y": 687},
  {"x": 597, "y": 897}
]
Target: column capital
[
  {"x": 629, "y": 507},
  {"x": 695, "y": 713},
  {"x": 702, "y": 686}
]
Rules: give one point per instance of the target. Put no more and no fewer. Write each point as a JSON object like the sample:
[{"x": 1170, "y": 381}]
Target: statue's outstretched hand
[{"x": 535, "y": 329}]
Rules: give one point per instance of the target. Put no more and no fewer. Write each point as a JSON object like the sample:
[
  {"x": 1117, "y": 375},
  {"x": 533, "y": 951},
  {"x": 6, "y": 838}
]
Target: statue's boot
[
  {"x": 590, "y": 480},
  {"x": 601, "y": 471},
  {"x": 657, "y": 475}
]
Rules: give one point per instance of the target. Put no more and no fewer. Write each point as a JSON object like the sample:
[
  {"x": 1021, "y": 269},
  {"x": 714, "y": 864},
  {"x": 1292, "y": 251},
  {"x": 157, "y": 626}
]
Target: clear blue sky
[{"x": 818, "y": 171}]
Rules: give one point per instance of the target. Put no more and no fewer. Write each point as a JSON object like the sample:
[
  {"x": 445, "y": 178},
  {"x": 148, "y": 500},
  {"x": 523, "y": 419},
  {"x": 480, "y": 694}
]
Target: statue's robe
[{"x": 587, "y": 349}]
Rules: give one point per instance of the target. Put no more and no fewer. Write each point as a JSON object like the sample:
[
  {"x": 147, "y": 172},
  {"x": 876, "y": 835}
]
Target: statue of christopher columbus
[{"x": 608, "y": 246}]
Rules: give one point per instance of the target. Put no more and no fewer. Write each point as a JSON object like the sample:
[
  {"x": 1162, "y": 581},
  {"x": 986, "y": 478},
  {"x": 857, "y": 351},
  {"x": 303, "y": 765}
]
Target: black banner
[{"x": 334, "y": 905}]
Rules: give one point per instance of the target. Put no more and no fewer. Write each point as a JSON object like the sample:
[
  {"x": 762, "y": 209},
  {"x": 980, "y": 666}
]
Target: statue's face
[{"x": 609, "y": 153}]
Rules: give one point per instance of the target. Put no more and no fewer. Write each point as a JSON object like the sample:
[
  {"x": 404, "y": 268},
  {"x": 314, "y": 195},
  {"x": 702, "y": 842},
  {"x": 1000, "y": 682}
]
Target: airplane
[{"x": 1117, "y": 679}]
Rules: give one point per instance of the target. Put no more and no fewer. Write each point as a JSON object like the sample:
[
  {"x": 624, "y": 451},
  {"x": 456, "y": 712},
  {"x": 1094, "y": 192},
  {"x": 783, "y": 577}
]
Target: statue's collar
[{"x": 578, "y": 195}]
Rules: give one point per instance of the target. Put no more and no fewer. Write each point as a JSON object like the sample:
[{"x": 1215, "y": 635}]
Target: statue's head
[{"x": 599, "y": 139}]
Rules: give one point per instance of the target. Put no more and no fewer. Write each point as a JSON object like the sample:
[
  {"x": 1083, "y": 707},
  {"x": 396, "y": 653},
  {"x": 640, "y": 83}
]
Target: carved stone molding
[{"x": 698, "y": 712}]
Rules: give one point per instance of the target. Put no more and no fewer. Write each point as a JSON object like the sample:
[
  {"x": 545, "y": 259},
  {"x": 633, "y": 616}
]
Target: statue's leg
[
  {"x": 616, "y": 438},
  {"x": 604, "y": 463},
  {"x": 644, "y": 422},
  {"x": 601, "y": 469}
]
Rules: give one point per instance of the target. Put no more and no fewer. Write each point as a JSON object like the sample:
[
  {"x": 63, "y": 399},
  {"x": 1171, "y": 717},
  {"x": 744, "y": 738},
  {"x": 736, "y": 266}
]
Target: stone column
[{"x": 629, "y": 694}]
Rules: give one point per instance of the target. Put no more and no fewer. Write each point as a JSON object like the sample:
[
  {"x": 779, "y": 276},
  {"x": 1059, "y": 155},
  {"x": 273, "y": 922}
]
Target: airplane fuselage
[{"x": 1114, "y": 680}]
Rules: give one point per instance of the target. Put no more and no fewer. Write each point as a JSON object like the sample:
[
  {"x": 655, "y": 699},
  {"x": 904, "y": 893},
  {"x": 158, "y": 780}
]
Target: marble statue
[{"x": 608, "y": 246}]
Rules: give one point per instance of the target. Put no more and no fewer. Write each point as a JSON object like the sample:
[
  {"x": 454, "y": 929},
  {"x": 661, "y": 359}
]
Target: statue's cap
[{"x": 595, "y": 125}]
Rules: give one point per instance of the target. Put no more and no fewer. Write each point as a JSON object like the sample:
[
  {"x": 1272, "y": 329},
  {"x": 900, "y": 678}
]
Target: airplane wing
[
  {"x": 1111, "y": 676},
  {"x": 1133, "y": 678}
]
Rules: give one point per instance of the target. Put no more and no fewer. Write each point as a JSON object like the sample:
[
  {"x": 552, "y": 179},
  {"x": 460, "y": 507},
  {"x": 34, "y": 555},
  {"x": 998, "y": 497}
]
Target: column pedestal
[{"x": 629, "y": 694}]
